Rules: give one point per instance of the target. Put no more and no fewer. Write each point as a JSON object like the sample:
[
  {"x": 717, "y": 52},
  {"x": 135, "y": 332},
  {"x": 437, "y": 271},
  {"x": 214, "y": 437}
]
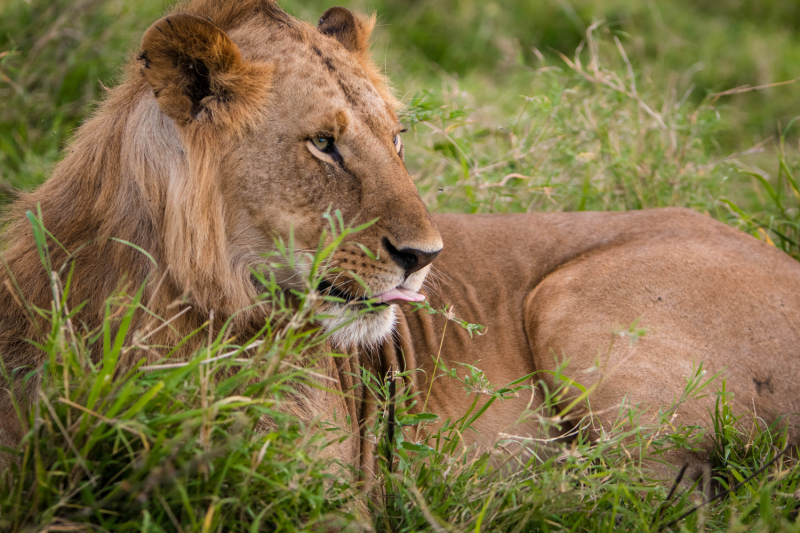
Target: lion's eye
[
  {"x": 398, "y": 145},
  {"x": 323, "y": 144}
]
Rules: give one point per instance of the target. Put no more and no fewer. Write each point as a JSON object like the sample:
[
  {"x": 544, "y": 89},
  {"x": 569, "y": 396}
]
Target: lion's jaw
[{"x": 353, "y": 326}]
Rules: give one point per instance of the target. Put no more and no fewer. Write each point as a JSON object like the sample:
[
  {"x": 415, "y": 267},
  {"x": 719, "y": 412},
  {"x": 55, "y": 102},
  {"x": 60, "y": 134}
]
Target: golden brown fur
[
  {"x": 553, "y": 287},
  {"x": 205, "y": 154},
  {"x": 201, "y": 157}
]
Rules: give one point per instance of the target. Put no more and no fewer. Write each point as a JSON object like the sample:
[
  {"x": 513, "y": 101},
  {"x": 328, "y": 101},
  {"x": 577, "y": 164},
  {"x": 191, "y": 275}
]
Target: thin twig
[
  {"x": 729, "y": 491},
  {"x": 204, "y": 361},
  {"x": 505, "y": 179},
  {"x": 756, "y": 149},
  {"x": 429, "y": 517},
  {"x": 170, "y": 514},
  {"x": 165, "y": 324},
  {"x": 671, "y": 492},
  {"x": 119, "y": 423},
  {"x": 67, "y": 437},
  {"x": 391, "y": 422},
  {"x": 433, "y": 375},
  {"x": 747, "y": 89},
  {"x": 444, "y": 134}
]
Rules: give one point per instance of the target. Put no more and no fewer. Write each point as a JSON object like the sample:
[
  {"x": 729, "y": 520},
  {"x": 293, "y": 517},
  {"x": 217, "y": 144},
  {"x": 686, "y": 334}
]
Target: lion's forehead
[{"x": 316, "y": 73}]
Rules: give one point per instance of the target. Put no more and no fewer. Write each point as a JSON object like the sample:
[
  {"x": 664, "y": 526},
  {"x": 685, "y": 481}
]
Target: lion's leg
[{"x": 733, "y": 307}]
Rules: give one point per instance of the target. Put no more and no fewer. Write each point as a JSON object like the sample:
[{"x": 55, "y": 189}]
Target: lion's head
[
  {"x": 236, "y": 125},
  {"x": 282, "y": 122}
]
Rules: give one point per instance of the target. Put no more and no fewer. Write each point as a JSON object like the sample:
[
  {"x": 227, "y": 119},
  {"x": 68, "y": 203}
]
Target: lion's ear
[
  {"x": 351, "y": 30},
  {"x": 195, "y": 69}
]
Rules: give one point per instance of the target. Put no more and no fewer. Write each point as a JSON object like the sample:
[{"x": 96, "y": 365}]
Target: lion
[{"x": 237, "y": 125}]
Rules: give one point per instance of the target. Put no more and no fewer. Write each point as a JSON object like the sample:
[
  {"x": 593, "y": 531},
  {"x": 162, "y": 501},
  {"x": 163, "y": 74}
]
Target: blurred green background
[
  {"x": 56, "y": 55},
  {"x": 711, "y": 45}
]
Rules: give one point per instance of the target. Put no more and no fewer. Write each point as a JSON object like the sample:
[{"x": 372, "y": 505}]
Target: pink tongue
[{"x": 400, "y": 294}]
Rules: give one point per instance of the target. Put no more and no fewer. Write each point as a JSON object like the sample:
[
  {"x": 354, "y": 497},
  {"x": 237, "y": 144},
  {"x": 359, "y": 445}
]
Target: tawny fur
[
  {"x": 201, "y": 158},
  {"x": 560, "y": 287}
]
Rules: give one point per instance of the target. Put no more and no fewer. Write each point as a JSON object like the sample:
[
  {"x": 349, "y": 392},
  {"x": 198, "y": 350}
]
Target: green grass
[
  {"x": 175, "y": 447},
  {"x": 496, "y": 126}
]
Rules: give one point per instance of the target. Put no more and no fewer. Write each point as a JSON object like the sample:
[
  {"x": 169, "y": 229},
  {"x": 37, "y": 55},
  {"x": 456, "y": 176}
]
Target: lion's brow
[
  {"x": 351, "y": 91},
  {"x": 328, "y": 62}
]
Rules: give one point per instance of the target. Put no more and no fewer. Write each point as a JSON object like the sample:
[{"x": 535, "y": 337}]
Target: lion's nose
[{"x": 410, "y": 259}]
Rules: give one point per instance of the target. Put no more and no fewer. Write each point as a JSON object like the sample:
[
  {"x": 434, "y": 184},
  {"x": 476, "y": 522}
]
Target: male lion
[{"x": 237, "y": 124}]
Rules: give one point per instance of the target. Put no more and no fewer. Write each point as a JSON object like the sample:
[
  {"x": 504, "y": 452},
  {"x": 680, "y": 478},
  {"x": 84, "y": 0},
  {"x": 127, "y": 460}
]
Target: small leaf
[
  {"x": 418, "y": 448},
  {"x": 416, "y": 418}
]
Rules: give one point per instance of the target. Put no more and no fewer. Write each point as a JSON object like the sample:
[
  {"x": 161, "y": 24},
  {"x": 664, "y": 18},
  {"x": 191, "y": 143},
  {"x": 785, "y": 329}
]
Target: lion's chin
[{"x": 367, "y": 331}]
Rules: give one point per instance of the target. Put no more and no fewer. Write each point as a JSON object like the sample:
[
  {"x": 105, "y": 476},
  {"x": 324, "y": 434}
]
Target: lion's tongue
[{"x": 400, "y": 294}]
